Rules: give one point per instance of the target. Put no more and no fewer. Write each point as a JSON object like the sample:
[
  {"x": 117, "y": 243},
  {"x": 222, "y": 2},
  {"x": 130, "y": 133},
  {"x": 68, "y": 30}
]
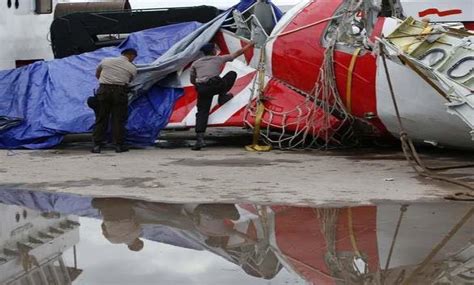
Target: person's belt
[
  {"x": 209, "y": 81},
  {"x": 114, "y": 85}
]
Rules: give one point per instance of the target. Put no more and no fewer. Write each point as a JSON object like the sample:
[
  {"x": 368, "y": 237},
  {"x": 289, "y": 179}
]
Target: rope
[
  {"x": 320, "y": 120},
  {"x": 342, "y": 14},
  {"x": 305, "y": 27},
  {"x": 421, "y": 34},
  {"x": 260, "y": 107},
  {"x": 408, "y": 147},
  {"x": 439, "y": 246},
  {"x": 351, "y": 233},
  {"x": 350, "y": 71},
  {"x": 403, "y": 209}
]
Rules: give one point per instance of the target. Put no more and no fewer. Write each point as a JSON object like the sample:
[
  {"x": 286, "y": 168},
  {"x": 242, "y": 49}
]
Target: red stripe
[
  {"x": 220, "y": 41},
  {"x": 469, "y": 26},
  {"x": 248, "y": 53},
  {"x": 377, "y": 30},
  {"x": 184, "y": 105},
  {"x": 434, "y": 11}
]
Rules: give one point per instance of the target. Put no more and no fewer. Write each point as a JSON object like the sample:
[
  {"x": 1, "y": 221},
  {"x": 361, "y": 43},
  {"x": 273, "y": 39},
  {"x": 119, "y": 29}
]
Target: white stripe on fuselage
[{"x": 225, "y": 112}]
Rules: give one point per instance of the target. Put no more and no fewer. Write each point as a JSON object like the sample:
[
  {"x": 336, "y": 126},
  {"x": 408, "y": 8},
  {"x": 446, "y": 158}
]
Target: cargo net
[{"x": 321, "y": 121}]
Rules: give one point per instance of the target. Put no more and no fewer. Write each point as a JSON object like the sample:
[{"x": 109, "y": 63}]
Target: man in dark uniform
[
  {"x": 114, "y": 75},
  {"x": 205, "y": 75}
]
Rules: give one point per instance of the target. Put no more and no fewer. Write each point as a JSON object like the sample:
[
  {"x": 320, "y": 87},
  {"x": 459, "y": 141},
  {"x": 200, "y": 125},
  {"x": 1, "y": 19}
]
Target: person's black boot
[
  {"x": 97, "y": 148},
  {"x": 199, "y": 141},
  {"x": 121, "y": 148}
]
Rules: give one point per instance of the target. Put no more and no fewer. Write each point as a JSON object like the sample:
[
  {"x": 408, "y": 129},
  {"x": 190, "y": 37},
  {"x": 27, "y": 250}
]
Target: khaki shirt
[
  {"x": 117, "y": 71},
  {"x": 208, "y": 67}
]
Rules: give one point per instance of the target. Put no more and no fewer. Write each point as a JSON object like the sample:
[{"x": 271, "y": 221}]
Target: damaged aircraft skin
[{"x": 429, "y": 66}]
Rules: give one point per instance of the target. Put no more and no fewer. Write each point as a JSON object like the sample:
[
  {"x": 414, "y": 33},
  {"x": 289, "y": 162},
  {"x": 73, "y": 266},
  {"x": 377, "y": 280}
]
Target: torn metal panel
[{"x": 442, "y": 58}]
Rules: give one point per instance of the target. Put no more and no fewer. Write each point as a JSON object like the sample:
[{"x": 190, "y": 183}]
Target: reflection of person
[
  {"x": 120, "y": 225},
  {"x": 205, "y": 75},
  {"x": 255, "y": 257},
  {"x": 210, "y": 219}
]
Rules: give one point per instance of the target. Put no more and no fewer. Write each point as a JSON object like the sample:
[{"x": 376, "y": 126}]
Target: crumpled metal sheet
[{"x": 176, "y": 58}]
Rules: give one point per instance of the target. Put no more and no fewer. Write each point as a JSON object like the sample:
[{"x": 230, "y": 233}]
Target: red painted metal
[
  {"x": 184, "y": 105},
  {"x": 220, "y": 41},
  {"x": 297, "y": 57},
  {"x": 303, "y": 243},
  {"x": 469, "y": 26},
  {"x": 435, "y": 11},
  {"x": 248, "y": 53}
]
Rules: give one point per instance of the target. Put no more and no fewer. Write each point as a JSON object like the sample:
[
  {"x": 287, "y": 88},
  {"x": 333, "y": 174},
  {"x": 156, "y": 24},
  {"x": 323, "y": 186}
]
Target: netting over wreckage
[{"x": 321, "y": 121}]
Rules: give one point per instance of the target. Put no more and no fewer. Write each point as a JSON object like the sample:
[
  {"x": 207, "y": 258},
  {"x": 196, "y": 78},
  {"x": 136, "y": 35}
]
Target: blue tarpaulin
[{"x": 42, "y": 102}]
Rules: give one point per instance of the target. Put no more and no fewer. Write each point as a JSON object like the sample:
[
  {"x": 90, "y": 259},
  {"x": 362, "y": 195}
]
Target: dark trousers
[
  {"x": 206, "y": 91},
  {"x": 112, "y": 104}
]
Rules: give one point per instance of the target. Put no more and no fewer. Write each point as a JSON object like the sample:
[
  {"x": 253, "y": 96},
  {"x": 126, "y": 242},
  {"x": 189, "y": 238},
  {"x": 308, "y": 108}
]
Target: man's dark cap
[
  {"x": 130, "y": 51},
  {"x": 208, "y": 48}
]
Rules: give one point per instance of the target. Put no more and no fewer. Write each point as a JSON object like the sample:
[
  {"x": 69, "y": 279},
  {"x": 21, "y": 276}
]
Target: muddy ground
[{"x": 225, "y": 172}]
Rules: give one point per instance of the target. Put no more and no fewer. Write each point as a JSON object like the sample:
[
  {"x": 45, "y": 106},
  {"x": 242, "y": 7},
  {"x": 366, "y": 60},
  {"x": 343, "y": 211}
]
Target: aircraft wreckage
[{"x": 323, "y": 74}]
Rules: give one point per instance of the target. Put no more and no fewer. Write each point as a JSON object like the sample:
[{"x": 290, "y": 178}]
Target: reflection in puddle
[{"x": 48, "y": 238}]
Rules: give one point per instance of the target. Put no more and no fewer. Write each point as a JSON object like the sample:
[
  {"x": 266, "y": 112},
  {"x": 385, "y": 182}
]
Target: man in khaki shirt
[
  {"x": 205, "y": 75},
  {"x": 114, "y": 75}
]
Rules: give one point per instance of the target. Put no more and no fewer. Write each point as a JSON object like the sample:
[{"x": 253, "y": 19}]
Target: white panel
[
  {"x": 423, "y": 226},
  {"x": 423, "y": 111}
]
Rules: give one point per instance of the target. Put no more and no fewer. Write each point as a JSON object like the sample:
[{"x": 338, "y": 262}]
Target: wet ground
[
  {"x": 168, "y": 215},
  {"x": 225, "y": 173},
  {"x": 52, "y": 238}
]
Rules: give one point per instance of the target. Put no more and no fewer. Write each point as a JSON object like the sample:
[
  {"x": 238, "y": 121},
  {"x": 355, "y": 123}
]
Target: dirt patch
[
  {"x": 129, "y": 182},
  {"x": 231, "y": 162}
]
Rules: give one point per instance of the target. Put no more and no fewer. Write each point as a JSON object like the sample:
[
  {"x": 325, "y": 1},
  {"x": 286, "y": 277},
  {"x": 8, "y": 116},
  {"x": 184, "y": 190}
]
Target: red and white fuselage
[{"x": 293, "y": 63}]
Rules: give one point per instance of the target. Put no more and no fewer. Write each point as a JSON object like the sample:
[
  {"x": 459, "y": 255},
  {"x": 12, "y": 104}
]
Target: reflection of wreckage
[
  {"x": 416, "y": 244},
  {"x": 385, "y": 244},
  {"x": 32, "y": 245},
  {"x": 315, "y": 79},
  {"x": 368, "y": 245}
]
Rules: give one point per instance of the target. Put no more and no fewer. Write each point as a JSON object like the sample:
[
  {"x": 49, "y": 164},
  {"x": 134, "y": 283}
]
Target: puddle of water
[{"x": 52, "y": 238}]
